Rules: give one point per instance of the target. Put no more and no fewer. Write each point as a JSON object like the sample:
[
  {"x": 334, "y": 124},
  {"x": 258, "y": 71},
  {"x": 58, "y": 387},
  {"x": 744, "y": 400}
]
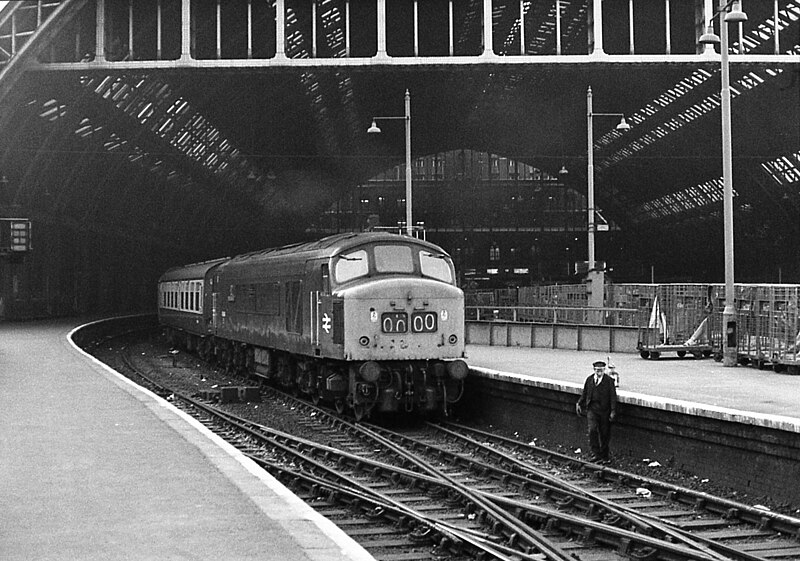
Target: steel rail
[
  {"x": 646, "y": 524},
  {"x": 479, "y": 540},
  {"x": 591, "y": 503},
  {"x": 726, "y": 508},
  {"x": 518, "y": 531},
  {"x": 266, "y": 435},
  {"x": 299, "y": 449},
  {"x": 612, "y": 535}
]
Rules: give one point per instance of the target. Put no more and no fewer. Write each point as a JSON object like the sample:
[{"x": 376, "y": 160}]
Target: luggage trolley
[
  {"x": 769, "y": 332},
  {"x": 678, "y": 319}
]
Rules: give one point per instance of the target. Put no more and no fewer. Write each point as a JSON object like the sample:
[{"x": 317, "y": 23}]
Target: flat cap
[{"x": 598, "y": 364}]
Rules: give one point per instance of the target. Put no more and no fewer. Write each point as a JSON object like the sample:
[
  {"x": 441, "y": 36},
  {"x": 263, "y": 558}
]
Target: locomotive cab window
[
  {"x": 394, "y": 259},
  {"x": 351, "y": 265},
  {"x": 436, "y": 266}
]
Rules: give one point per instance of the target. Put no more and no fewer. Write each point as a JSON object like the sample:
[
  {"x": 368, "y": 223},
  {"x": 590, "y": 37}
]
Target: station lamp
[
  {"x": 733, "y": 14},
  {"x": 374, "y": 129}
]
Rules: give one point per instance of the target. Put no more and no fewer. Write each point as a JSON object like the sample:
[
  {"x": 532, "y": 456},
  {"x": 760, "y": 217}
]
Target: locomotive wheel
[
  {"x": 645, "y": 354},
  {"x": 339, "y": 405},
  {"x": 655, "y": 356},
  {"x": 681, "y": 354}
]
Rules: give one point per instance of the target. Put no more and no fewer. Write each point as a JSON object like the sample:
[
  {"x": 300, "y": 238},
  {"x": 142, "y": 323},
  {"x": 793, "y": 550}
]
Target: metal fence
[
  {"x": 768, "y": 315},
  {"x": 554, "y": 315}
]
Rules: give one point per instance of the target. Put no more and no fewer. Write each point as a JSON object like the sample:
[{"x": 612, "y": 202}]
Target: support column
[
  {"x": 730, "y": 336},
  {"x": 159, "y": 31},
  {"x": 596, "y": 28},
  {"x": 488, "y": 49},
  {"x": 100, "y": 32},
  {"x": 280, "y": 29},
  {"x": 381, "y": 30},
  {"x": 186, "y": 31}
]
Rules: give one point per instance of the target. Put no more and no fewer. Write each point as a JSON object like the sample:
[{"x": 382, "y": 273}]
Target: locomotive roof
[
  {"x": 333, "y": 244},
  {"x": 324, "y": 247}
]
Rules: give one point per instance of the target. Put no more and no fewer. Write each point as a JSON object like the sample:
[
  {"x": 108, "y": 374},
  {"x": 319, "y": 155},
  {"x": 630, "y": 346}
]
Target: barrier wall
[
  {"x": 610, "y": 339},
  {"x": 759, "y": 455}
]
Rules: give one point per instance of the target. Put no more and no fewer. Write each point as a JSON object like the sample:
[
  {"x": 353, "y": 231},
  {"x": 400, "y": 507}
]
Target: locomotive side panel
[{"x": 282, "y": 304}]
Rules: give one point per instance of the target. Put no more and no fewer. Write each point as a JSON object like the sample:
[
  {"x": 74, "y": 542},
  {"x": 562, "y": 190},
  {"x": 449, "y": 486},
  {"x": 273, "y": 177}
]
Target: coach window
[{"x": 351, "y": 266}]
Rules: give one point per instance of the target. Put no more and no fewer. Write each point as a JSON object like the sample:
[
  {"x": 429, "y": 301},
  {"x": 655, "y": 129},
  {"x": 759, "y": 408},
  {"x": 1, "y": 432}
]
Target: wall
[{"x": 612, "y": 339}]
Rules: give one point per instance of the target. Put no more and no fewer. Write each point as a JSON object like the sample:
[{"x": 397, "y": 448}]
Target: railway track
[{"x": 450, "y": 491}]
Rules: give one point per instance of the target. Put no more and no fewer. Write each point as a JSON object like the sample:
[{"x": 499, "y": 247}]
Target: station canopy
[{"x": 243, "y": 146}]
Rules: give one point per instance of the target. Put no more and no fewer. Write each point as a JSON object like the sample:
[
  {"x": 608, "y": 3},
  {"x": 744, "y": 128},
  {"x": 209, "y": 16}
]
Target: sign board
[{"x": 15, "y": 235}]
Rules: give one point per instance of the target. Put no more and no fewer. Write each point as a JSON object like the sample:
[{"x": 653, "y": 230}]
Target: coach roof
[{"x": 191, "y": 272}]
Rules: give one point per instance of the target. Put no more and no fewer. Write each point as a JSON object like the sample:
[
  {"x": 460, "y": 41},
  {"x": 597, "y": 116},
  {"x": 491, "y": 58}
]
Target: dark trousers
[{"x": 599, "y": 429}]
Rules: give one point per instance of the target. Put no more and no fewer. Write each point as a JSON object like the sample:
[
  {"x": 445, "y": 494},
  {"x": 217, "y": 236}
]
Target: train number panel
[
  {"x": 424, "y": 322},
  {"x": 421, "y": 322},
  {"x": 394, "y": 322}
]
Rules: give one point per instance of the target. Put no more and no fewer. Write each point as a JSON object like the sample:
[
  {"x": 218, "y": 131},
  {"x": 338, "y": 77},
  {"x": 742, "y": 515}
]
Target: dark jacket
[{"x": 600, "y": 398}]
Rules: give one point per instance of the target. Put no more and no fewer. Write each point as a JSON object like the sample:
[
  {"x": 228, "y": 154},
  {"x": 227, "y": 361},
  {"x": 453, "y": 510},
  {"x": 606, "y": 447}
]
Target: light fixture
[
  {"x": 563, "y": 170},
  {"x": 594, "y": 273},
  {"x": 709, "y": 37},
  {"x": 735, "y": 15},
  {"x": 407, "y": 119}
]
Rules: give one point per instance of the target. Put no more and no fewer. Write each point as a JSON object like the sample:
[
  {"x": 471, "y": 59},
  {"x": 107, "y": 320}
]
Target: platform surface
[
  {"x": 93, "y": 467},
  {"x": 688, "y": 383}
]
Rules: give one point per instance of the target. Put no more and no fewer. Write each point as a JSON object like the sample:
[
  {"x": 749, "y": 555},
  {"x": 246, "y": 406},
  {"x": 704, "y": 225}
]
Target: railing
[{"x": 549, "y": 315}]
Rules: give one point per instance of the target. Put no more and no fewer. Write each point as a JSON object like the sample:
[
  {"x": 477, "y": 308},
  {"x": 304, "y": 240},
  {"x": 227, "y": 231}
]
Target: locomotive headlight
[
  {"x": 453, "y": 339},
  {"x": 444, "y": 315},
  {"x": 370, "y": 371},
  {"x": 457, "y": 369},
  {"x": 363, "y": 341}
]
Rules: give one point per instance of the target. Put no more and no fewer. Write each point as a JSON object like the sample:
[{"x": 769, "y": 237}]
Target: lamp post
[
  {"x": 733, "y": 14},
  {"x": 595, "y": 276},
  {"x": 407, "y": 118}
]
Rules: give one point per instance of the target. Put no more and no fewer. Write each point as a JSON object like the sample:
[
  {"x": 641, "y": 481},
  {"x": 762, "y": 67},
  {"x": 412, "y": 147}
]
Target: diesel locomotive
[{"x": 372, "y": 322}]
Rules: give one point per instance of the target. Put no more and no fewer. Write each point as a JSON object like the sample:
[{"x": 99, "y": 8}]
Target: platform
[
  {"x": 94, "y": 467},
  {"x": 699, "y": 385}
]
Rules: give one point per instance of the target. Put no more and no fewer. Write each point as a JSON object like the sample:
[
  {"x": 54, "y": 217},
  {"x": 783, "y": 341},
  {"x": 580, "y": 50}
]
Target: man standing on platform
[{"x": 599, "y": 402}]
